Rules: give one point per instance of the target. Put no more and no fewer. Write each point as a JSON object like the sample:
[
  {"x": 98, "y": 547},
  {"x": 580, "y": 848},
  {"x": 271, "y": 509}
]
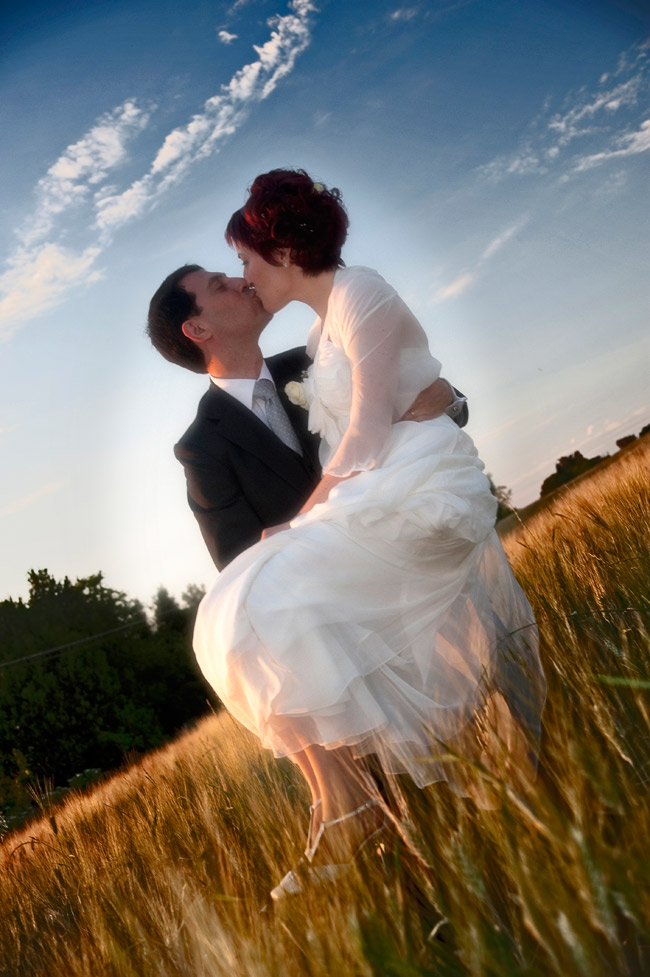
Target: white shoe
[
  {"x": 293, "y": 882},
  {"x": 311, "y": 849}
]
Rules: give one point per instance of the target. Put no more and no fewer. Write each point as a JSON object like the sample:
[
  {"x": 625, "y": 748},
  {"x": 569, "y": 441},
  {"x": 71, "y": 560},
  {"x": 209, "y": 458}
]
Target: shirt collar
[{"x": 242, "y": 390}]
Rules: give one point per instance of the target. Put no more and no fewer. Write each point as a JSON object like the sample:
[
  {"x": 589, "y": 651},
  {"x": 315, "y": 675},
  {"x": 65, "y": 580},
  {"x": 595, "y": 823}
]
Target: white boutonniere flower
[{"x": 295, "y": 391}]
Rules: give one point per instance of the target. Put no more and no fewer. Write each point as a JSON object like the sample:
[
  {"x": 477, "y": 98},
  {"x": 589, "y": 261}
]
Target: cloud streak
[
  {"x": 44, "y": 266},
  {"x": 599, "y": 120},
  {"x": 221, "y": 116},
  {"x": 84, "y": 164},
  {"x": 627, "y": 145},
  {"x": 467, "y": 278},
  {"x": 18, "y": 505}
]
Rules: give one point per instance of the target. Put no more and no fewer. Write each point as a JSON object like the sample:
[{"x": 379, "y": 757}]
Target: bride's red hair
[{"x": 286, "y": 209}]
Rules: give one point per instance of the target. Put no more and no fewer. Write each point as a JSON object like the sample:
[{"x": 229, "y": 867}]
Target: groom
[{"x": 246, "y": 468}]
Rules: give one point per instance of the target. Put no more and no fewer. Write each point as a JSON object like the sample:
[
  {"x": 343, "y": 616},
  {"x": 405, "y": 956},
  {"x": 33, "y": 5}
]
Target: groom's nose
[{"x": 239, "y": 283}]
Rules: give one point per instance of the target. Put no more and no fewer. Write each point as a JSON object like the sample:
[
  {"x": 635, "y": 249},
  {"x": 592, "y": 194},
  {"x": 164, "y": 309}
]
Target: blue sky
[{"x": 493, "y": 156}]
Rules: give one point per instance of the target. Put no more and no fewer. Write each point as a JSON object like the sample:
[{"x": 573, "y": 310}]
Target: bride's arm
[{"x": 320, "y": 494}]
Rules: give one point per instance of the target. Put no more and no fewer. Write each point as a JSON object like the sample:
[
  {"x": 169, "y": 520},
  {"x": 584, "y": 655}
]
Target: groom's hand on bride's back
[{"x": 439, "y": 398}]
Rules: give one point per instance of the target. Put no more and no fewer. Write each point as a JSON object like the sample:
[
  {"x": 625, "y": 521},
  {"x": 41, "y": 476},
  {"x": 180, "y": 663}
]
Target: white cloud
[
  {"x": 498, "y": 242},
  {"x": 27, "y": 500},
  {"x": 628, "y": 145},
  {"x": 467, "y": 278},
  {"x": 455, "y": 288},
  {"x": 82, "y": 165},
  {"x": 37, "y": 278},
  {"x": 41, "y": 271},
  {"x": 222, "y": 115},
  {"x": 567, "y": 125},
  {"x": 613, "y": 185},
  {"x": 591, "y": 118},
  {"x": 404, "y": 13},
  {"x": 226, "y": 38}
]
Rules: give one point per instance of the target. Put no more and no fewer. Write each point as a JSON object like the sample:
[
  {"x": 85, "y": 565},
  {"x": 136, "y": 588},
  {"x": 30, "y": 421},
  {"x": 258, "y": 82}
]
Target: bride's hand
[{"x": 272, "y": 530}]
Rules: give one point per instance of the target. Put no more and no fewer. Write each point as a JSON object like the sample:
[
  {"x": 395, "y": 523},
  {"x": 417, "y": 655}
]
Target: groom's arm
[
  {"x": 439, "y": 398},
  {"x": 228, "y": 522}
]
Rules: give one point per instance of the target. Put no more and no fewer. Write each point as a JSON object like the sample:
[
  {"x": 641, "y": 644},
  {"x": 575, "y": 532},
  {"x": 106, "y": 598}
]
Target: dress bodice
[{"x": 371, "y": 359}]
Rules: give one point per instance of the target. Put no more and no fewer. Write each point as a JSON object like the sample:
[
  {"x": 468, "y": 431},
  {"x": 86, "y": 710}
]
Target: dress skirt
[{"x": 386, "y": 619}]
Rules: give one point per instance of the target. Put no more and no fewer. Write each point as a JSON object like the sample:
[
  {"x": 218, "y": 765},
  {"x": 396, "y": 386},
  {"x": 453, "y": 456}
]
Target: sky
[{"x": 493, "y": 157}]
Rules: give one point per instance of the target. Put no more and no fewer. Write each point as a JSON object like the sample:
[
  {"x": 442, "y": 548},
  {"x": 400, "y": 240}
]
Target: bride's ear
[
  {"x": 283, "y": 255},
  {"x": 195, "y": 330}
]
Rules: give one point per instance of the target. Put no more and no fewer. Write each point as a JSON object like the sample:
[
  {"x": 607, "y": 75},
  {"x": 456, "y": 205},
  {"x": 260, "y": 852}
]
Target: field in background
[{"x": 162, "y": 871}]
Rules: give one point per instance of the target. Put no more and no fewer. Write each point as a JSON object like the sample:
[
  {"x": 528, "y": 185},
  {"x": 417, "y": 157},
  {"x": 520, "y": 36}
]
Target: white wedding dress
[{"x": 386, "y": 618}]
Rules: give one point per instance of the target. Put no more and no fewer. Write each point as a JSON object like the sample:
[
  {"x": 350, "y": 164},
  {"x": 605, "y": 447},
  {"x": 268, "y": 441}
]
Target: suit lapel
[
  {"x": 298, "y": 416},
  {"x": 241, "y": 427}
]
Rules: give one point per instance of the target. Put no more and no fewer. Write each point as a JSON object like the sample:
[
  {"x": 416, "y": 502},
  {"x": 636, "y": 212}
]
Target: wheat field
[{"x": 165, "y": 868}]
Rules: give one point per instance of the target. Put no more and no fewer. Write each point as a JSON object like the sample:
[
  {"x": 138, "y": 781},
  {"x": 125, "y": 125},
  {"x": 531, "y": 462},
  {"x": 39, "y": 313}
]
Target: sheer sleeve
[{"x": 372, "y": 324}]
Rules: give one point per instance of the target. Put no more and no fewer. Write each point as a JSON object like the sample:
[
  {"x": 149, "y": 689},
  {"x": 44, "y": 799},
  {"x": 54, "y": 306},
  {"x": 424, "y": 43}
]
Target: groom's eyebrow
[{"x": 216, "y": 279}]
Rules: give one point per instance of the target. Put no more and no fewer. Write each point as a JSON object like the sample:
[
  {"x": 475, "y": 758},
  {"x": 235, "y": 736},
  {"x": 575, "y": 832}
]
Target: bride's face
[{"x": 272, "y": 283}]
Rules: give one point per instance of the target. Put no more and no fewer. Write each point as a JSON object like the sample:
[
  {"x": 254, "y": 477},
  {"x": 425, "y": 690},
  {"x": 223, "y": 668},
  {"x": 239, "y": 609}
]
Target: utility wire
[{"x": 71, "y": 644}]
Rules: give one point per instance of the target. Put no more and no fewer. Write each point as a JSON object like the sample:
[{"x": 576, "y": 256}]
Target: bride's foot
[
  {"x": 335, "y": 846},
  {"x": 340, "y": 840}
]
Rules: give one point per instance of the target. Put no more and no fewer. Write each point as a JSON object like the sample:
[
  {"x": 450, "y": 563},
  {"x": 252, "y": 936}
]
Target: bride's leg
[
  {"x": 345, "y": 789},
  {"x": 341, "y": 784},
  {"x": 304, "y": 764}
]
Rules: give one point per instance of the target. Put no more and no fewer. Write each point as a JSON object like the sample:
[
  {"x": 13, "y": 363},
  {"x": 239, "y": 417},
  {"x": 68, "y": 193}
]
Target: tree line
[
  {"x": 569, "y": 467},
  {"x": 87, "y": 679}
]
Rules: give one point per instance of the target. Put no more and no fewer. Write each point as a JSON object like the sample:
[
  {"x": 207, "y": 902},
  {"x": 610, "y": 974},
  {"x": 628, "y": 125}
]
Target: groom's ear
[{"x": 196, "y": 330}]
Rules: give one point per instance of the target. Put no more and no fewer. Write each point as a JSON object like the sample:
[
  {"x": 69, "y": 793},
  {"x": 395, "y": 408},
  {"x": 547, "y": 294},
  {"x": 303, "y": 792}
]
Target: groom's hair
[{"x": 169, "y": 308}]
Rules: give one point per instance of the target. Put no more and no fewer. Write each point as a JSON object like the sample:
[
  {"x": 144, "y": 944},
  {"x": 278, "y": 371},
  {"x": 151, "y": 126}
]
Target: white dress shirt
[{"x": 242, "y": 390}]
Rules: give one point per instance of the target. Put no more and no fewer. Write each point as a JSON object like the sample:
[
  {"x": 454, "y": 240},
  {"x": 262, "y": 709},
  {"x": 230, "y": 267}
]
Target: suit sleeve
[
  {"x": 227, "y": 522},
  {"x": 462, "y": 416}
]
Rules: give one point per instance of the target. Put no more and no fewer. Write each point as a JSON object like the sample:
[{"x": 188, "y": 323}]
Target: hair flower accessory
[{"x": 318, "y": 187}]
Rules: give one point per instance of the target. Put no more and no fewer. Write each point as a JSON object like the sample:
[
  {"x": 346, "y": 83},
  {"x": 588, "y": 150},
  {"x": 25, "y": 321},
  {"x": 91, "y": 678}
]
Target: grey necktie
[{"x": 276, "y": 416}]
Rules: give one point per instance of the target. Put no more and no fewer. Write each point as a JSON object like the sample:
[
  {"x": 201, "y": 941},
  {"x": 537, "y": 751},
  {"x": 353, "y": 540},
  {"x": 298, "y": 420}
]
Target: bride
[{"x": 384, "y": 618}]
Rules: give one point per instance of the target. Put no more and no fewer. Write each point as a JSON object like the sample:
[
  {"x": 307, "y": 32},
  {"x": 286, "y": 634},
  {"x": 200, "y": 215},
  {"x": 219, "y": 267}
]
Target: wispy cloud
[
  {"x": 44, "y": 265},
  {"x": 501, "y": 239},
  {"x": 226, "y": 38},
  {"x": 455, "y": 288},
  {"x": 83, "y": 165},
  {"x": 404, "y": 13},
  {"x": 37, "y": 278},
  {"x": 600, "y": 120},
  {"x": 237, "y": 6},
  {"x": 627, "y": 145},
  {"x": 463, "y": 281},
  {"x": 222, "y": 115},
  {"x": 320, "y": 118},
  {"x": 25, "y": 501}
]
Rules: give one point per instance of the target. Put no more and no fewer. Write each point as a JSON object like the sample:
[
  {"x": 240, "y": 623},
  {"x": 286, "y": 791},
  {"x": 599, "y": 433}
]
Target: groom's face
[{"x": 227, "y": 305}]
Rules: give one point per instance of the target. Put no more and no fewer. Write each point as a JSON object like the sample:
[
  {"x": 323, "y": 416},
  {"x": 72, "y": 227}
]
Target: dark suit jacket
[{"x": 240, "y": 477}]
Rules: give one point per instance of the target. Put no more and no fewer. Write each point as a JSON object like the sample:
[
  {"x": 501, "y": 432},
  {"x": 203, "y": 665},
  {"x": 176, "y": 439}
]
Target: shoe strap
[{"x": 351, "y": 814}]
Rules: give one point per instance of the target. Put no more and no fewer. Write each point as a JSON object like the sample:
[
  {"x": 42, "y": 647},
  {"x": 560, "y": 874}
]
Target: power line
[{"x": 71, "y": 644}]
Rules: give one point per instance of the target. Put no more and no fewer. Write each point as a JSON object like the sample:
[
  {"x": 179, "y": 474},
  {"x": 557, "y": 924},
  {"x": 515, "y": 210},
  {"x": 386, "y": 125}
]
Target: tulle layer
[{"x": 386, "y": 619}]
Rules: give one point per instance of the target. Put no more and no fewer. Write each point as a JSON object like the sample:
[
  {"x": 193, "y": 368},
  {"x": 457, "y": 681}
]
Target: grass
[{"x": 163, "y": 869}]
